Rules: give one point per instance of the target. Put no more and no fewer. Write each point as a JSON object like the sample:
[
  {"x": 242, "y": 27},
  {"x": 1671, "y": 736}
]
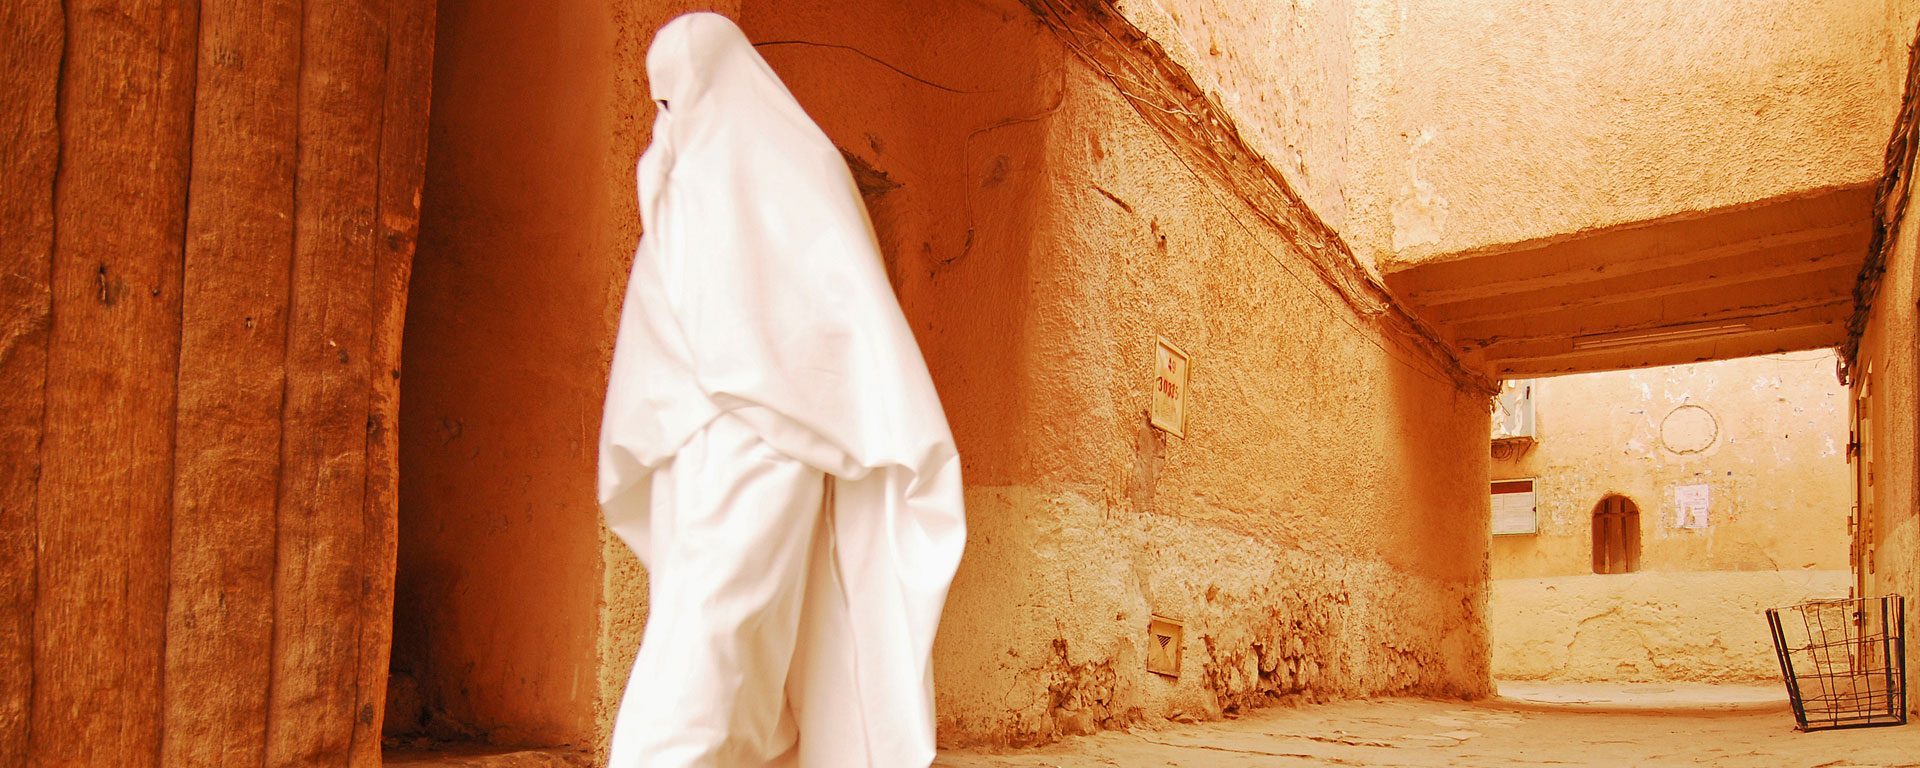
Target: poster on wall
[
  {"x": 1514, "y": 512},
  {"x": 1690, "y": 503}
]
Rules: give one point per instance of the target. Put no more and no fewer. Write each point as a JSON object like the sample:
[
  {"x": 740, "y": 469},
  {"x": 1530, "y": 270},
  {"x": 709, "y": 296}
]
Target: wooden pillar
[
  {"x": 207, "y": 218},
  {"x": 29, "y": 153}
]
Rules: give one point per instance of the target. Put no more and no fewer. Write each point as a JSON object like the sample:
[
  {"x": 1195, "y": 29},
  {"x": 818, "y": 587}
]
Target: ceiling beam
[
  {"x": 1782, "y": 262},
  {"x": 1770, "y": 341},
  {"x": 1771, "y": 320},
  {"x": 1638, "y": 248},
  {"x": 1713, "y": 303}
]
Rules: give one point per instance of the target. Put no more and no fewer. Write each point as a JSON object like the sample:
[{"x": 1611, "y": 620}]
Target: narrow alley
[{"x": 1301, "y": 382}]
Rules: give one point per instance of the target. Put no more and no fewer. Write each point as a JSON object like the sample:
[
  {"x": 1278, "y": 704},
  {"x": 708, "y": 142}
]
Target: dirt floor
[
  {"x": 1414, "y": 732},
  {"x": 1532, "y": 724}
]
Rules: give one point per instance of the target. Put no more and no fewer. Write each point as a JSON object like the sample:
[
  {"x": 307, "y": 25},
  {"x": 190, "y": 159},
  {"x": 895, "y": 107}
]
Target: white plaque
[{"x": 1169, "y": 408}]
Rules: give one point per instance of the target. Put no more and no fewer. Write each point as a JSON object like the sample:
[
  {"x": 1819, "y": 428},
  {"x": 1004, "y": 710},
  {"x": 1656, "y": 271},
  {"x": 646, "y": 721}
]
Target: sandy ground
[
  {"x": 1646, "y": 696},
  {"x": 1615, "y": 726},
  {"x": 1415, "y": 732}
]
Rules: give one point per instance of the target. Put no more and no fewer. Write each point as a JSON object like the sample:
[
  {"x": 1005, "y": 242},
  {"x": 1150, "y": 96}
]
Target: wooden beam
[
  {"x": 320, "y": 573},
  {"x": 29, "y": 76},
  {"x": 1641, "y": 247},
  {"x": 402, "y": 171},
  {"x": 1789, "y": 261},
  {"x": 1495, "y": 277},
  {"x": 1734, "y": 302},
  {"x": 239, "y": 246},
  {"x": 1814, "y": 336},
  {"x": 106, "y": 489},
  {"x": 1776, "y": 321}
]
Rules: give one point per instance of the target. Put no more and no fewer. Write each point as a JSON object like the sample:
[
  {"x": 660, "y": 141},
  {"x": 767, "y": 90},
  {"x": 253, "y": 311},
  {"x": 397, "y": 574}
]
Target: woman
[{"x": 772, "y": 448}]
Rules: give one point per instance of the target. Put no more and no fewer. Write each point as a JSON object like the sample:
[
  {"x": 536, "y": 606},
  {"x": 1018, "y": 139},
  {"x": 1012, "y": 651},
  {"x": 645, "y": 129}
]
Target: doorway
[{"x": 1616, "y": 535}]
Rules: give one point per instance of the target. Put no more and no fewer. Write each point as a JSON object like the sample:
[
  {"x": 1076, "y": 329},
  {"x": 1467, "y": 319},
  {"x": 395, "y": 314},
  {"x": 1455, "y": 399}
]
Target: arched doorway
[{"x": 1616, "y": 535}]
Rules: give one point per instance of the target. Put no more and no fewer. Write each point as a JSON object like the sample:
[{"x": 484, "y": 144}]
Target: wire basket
[{"x": 1844, "y": 661}]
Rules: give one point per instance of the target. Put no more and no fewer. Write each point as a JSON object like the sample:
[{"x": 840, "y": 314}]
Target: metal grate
[{"x": 1844, "y": 661}]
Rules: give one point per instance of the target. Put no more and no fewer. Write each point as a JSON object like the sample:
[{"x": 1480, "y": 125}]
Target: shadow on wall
[
  {"x": 512, "y": 614},
  {"x": 506, "y": 334},
  {"x": 939, "y": 111},
  {"x": 1436, "y": 534}
]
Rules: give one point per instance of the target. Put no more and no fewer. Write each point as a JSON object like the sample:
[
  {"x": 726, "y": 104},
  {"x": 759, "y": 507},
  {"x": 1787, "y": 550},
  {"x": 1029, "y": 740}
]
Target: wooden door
[
  {"x": 208, "y": 212},
  {"x": 1616, "y": 535}
]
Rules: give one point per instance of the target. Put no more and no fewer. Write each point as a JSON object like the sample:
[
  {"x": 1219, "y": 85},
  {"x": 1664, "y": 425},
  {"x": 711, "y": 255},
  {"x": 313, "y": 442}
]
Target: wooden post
[
  {"x": 106, "y": 482},
  {"x": 233, "y": 340},
  {"x": 29, "y": 153}
]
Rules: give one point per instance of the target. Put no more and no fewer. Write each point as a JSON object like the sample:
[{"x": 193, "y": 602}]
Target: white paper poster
[{"x": 1690, "y": 504}]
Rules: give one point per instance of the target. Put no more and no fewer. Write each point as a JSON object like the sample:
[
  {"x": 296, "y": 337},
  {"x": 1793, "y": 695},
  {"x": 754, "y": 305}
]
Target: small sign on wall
[
  {"x": 1169, "y": 408},
  {"x": 1514, "y": 510},
  {"x": 1690, "y": 503},
  {"x": 1164, "y": 641}
]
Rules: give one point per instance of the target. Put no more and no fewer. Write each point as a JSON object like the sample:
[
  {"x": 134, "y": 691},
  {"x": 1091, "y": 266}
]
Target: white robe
[{"x": 772, "y": 448}]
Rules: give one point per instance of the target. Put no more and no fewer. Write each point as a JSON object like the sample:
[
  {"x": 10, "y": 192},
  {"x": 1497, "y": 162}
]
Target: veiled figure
[{"x": 772, "y": 449}]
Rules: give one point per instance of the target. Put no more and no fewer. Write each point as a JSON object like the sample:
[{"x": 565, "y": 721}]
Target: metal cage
[{"x": 1844, "y": 661}]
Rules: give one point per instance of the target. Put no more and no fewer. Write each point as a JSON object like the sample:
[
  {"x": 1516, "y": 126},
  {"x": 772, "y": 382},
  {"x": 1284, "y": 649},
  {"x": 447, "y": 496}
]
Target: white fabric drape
[{"x": 772, "y": 447}]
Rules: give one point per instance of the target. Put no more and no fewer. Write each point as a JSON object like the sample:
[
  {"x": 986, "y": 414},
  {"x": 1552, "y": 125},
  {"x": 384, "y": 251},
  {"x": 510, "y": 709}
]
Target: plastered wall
[
  {"x": 1518, "y": 121},
  {"x": 1286, "y": 71},
  {"x": 1886, "y": 374},
  {"x": 1767, "y": 436},
  {"x": 1649, "y": 627},
  {"x": 1320, "y": 529}
]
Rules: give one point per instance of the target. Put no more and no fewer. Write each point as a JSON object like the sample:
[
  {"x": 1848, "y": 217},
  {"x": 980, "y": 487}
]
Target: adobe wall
[
  {"x": 1767, "y": 436},
  {"x": 1288, "y": 74},
  {"x": 1887, "y": 363},
  {"x": 1887, "y": 374},
  {"x": 1652, "y": 626}
]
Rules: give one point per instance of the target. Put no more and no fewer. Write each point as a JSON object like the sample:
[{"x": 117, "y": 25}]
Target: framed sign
[
  {"x": 1514, "y": 510},
  {"x": 1164, "y": 640},
  {"x": 1169, "y": 409}
]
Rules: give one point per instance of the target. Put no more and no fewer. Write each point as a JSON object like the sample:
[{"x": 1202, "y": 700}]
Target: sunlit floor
[
  {"x": 1559, "y": 725},
  {"x": 1536, "y": 725}
]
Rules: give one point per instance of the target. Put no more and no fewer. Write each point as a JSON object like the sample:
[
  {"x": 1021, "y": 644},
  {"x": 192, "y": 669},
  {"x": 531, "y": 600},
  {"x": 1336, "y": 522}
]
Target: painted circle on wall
[{"x": 1689, "y": 429}]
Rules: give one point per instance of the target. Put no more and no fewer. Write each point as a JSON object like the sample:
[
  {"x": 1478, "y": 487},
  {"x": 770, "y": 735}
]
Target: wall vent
[{"x": 1164, "y": 640}]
